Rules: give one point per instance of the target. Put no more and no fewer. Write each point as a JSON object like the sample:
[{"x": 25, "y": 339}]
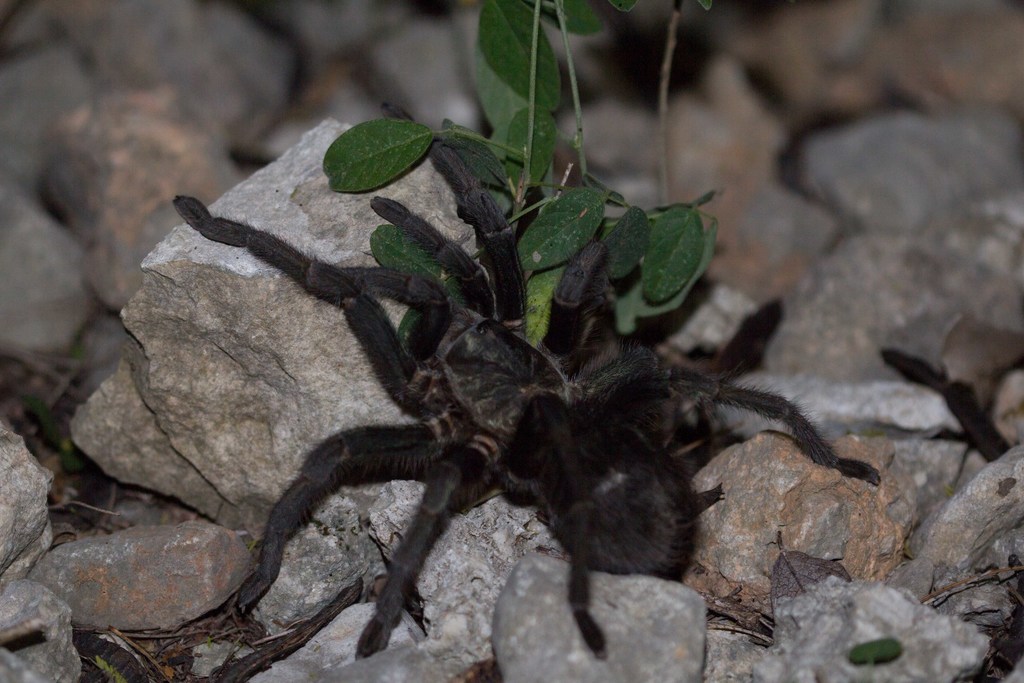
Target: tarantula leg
[
  {"x": 478, "y": 208},
  {"x": 444, "y": 479},
  {"x": 585, "y": 280},
  {"x": 712, "y": 389},
  {"x": 351, "y": 457},
  {"x": 450, "y": 256},
  {"x": 342, "y": 287},
  {"x": 545, "y": 430}
]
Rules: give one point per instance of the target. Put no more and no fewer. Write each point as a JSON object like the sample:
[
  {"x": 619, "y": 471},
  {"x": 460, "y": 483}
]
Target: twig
[
  {"x": 971, "y": 579},
  {"x": 765, "y": 640},
  {"x": 663, "y": 83},
  {"x": 141, "y": 650},
  {"x": 22, "y": 628}
]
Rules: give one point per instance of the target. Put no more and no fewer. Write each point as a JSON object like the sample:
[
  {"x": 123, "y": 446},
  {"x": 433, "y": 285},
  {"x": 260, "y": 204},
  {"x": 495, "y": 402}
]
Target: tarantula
[{"x": 494, "y": 410}]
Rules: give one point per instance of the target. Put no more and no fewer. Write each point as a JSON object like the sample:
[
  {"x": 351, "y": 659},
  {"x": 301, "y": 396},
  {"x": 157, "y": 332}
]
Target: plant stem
[
  {"x": 460, "y": 132},
  {"x": 532, "y": 112},
  {"x": 663, "y": 82},
  {"x": 577, "y": 141}
]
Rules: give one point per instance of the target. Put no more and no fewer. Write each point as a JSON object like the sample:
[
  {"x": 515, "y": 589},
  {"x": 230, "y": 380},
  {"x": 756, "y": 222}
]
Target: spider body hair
[{"x": 495, "y": 410}]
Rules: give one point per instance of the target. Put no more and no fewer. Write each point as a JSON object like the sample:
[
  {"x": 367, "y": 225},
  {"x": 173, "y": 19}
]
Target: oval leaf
[
  {"x": 561, "y": 229},
  {"x": 627, "y": 242},
  {"x": 540, "y": 290},
  {"x": 677, "y": 253},
  {"x": 477, "y": 155},
  {"x": 544, "y": 137},
  {"x": 876, "y": 651},
  {"x": 579, "y": 17},
  {"x": 392, "y": 250},
  {"x": 498, "y": 100},
  {"x": 373, "y": 153},
  {"x": 506, "y": 42}
]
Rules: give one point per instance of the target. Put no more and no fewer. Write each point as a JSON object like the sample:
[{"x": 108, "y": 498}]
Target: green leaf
[
  {"x": 389, "y": 246},
  {"x": 540, "y": 290},
  {"x": 876, "y": 651},
  {"x": 545, "y": 135},
  {"x": 498, "y": 100},
  {"x": 677, "y": 253},
  {"x": 630, "y": 305},
  {"x": 374, "y": 153},
  {"x": 706, "y": 4},
  {"x": 506, "y": 42},
  {"x": 579, "y": 18},
  {"x": 477, "y": 155},
  {"x": 562, "y": 228},
  {"x": 627, "y": 242},
  {"x": 623, "y": 5}
]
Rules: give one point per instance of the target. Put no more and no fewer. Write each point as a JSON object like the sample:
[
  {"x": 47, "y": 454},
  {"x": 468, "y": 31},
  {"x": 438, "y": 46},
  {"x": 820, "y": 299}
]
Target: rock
[
  {"x": 986, "y": 605},
  {"x": 233, "y": 73},
  {"x": 101, "y": 350},
  {"x": 208, "y": 656},
  {"x": 815, "y": 632},
  {"x": 113, "y": 166},
  {"x": 937, "y": 60},
  {"x": 877, "y": 291},
  {"x": 467, "y": 567},
  {"x": 895, "y": 172},
  {"x": 960, "y": 532},
  {"x": 177, "y": 572},
  {"x": 800, "y": 51},
  {"x": 654, "y": 628},
  {"x": 897, "y": 409},
  {"x": 934, "y": 465},
  {"x": 917, "y": 576},
  {"x": 715, "y": 321},
  {"x": 322, "y": 558},
  {"x": 1009, "y": 407},
  {"x": 36, "y": 88},
  {"x": 54, "y": 657},
  {"x": 25, "y": 532},
  {"x": 14, "y": 670},
  {"x": 779, "y": 237},
  {"x": 730, "y": 657},
  {"x": 770, "y": 487},
  {"x": 324, "y": 657},
  {"x": 231, "y": 360},
  {"x": 42, "y": 298},
  {"x": 725, "y": 141},
  {"x": 419, "y": 64},
  {"x": 405, "y": 664}
]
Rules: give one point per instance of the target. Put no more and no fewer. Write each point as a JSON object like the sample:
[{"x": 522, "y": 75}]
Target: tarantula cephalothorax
[{"x": 494, "y": 410}]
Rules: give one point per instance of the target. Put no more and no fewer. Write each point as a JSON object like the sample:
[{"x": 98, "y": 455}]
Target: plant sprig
[{"x": 655, "y": 257}]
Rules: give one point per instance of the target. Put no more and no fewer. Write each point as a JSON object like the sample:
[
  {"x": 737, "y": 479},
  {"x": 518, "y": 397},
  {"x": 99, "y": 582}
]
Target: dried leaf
[{"x": 794, "y": 572}]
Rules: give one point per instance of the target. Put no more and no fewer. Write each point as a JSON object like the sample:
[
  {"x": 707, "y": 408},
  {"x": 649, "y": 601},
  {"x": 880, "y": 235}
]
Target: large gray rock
[
  {"x": 177, "y": 572},
  {"x": 989, "y": 508},
  {"x": 234, "y": 372},
  {"x": 464, "y": 573},
  {"x": 53, "y": 656},
  {"x": 24, "y": 523},
  {"x": 815, "y": 631},
  {"x": 43, "y": 301},
  {"x": 895, "y": 172},
  {"x": 654, "y": 628}
]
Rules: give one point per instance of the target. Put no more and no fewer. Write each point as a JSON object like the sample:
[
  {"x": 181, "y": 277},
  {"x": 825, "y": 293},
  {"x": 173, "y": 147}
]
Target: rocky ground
[{"x": 870, "y": 163}]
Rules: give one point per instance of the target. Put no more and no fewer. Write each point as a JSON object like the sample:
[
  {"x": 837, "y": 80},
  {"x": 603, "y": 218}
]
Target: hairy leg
[
  {"x": 712, "y": 389},
  {"x": 351, "y": 457},
  {"x": 462, "y": 465},
  {"x": 585, "y": 280},
  {"x": 477, "y": 207},
  {"x": 453, "y": 258}
]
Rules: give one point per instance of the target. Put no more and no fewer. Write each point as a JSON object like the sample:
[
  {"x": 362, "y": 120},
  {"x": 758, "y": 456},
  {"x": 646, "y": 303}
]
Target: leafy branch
[{"x": 655, "y": 256}]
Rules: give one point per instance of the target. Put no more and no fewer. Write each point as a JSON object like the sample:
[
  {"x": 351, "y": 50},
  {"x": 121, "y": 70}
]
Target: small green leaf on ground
[
  {"x": 561, "y": 229},
  {"x": 374, "y": 153},
  {"x": 627, "y": 242},
  {"x": 678, "y": 252},
  {"x": 540, "y": 290},
  {"x": 876, "y": 651}
]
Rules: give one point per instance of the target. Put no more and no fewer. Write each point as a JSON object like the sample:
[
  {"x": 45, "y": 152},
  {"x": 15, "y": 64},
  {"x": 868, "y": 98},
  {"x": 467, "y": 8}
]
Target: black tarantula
[{"x": 494, "y": 410}]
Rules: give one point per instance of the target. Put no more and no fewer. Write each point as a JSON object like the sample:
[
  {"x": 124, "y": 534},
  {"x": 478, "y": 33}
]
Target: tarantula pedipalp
[{"x": 493, "y": 410}]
